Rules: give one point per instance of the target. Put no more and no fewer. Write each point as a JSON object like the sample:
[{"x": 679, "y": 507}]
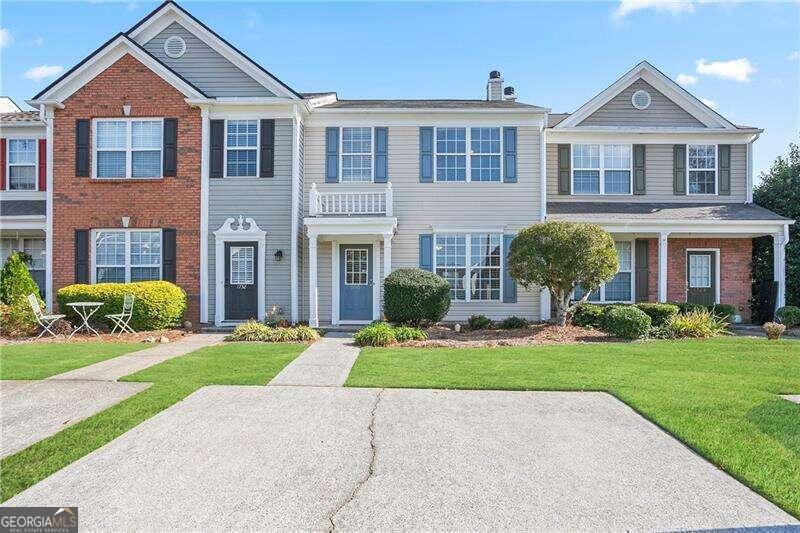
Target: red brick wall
[{"x": 84, "y": 203}]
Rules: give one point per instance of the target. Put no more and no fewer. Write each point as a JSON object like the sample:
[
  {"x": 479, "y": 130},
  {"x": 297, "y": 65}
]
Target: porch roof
[
  {"x": 16, "y": 208},
  {"x": 660, "y": 212}
]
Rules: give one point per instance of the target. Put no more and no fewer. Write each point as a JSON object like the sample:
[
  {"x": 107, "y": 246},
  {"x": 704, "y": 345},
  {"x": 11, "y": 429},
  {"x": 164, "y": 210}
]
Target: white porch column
[
  {"x": 313, "y": 301},
  {"x": 779, "y": 242},
  {"x": 662, "y": 266},
  {"x": 387, "y": 254},
  {"x": 205, "y": 147},
  {"x": 48, "y": 232},
  {"x": 544, "y": 304}
]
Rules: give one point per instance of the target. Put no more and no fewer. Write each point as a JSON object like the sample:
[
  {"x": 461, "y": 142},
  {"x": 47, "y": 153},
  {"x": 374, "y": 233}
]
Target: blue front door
[{"x": 355, "y": 282}]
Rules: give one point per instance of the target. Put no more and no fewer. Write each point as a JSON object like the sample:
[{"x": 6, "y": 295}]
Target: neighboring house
[{"x": 177, "y": 157}]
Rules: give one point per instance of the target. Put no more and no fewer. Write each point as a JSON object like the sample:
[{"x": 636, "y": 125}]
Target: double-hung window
[
  {"x": 241, "y": 148},
  {"x": 620, "y": 288},
  {"x": 471, "y": 264},
  {"x": 451, "y": 154},
  {"x": 357, "y": 155},
  {"x": 601, "y": 168},
  {"x": 127, "y": 255},
  {"x": 22, "y": 160},
  {"x": 468, "y": 154},
  {"x": 485, "y": 158},
  {"x": 702, "y": 168},
  {"x": 128, "y": 148}
]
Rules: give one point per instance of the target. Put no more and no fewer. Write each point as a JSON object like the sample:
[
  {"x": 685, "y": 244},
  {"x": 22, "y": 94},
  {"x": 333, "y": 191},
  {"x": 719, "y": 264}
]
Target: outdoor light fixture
[
  {"x": 278, "y": 255},
  {"x": 126, "y": 109}
]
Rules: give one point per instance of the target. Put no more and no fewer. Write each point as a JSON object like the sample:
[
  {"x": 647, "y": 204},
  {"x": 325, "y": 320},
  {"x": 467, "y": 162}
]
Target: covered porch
[{"x": 23, "y": 228}]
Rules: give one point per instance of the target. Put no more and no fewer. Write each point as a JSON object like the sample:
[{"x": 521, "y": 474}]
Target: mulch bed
[
  {"x": 171, "y": 334},
  {"x": 533, "y": 335}
]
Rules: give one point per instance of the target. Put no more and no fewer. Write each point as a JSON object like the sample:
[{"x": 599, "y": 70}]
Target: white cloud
[
  {"x": 43, "y": 71},
  {"x": 38, "y": 41},
  {"x": 794, "y": 56},
  {"x": 710, "y": 103},
  {"x": 626, "y": 7},
  {"x": 5, "y": 38},
  {"x": 686, "y": 79},
  {"x": 735, "y": 69}
]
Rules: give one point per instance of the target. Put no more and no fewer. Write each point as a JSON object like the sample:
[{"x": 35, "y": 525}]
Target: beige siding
[
  {"x": 658, "y": 170},
  {"x": 418, "y": 206},
  {"x": 619, "y": 111}
]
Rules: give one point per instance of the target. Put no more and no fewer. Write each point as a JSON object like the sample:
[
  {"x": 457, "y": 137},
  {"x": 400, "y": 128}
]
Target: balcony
[{"x": 351, "y": 203}]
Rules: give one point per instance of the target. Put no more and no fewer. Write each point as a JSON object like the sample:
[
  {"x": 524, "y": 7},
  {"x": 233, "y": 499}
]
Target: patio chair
[
  {"x": 46, "y": 321},
  {"x": 121, "y": 320}
]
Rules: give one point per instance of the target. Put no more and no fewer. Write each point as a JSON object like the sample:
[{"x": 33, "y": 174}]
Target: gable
[
  {"x": 662, "y": 112},
  {"x": 203, "y": 66}
]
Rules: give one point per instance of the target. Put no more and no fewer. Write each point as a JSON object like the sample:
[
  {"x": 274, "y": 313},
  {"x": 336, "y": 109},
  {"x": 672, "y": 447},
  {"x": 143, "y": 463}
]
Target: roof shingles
[{"x": 655, "y": 212}]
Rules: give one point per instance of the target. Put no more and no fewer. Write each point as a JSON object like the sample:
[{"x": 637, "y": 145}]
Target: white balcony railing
[{"x": 350, "y": 203}]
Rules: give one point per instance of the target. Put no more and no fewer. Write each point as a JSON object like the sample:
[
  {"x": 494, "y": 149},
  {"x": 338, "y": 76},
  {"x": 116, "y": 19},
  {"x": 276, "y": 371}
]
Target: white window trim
[
  {"x": 128, "y": 263},
  {"x": 468, "y": 267},
  {"x": 9, "y": 165},
  {"x": 602, "y": 290},
  {"x": 602, "y": 169},
  {"x": 20, "y": 247},
  {"x": 342, "y": 154},
  {"x": 716, "y": 170},
  {"x": 128, "y": 148},
  {"x": 257, "y": 148},
  {"x": 716, "y": 271},
  {"x": 468, "y": 153}
]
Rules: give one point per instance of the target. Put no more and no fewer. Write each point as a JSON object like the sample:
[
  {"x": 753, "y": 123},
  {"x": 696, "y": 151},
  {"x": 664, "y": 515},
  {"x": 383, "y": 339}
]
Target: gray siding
[
  {"x": 204, "y": 67},
  {"x": 658, "y": 170},
  {"x": 661, "y": 112},
  {"x": 268, "y": 202}
]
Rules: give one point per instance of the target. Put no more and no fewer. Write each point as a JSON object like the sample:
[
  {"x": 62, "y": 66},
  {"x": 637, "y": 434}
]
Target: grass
[
  {"x": 45, "y": 359},
  {"x": 719, "y": 396},
  {"x": 172, "y": 381}
]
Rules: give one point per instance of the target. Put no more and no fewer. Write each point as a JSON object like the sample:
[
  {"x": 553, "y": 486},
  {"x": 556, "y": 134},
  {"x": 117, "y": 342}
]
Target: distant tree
[
  {"x": 16, "y": 282},
  {"x": 779, "y": 191},
  {"x": 560, "y": 255}
]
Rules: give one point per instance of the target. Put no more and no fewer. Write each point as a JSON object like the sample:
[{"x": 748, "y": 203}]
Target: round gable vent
[
  {"x": 641, "y": 99},
  {"x": 175, "y": 47}
]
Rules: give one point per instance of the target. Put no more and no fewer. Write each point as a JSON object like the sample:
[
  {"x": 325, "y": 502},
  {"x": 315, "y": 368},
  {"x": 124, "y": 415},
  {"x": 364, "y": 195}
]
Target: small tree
[
  {"x": 560, "y": 255},
  {"x": 16, "y": 282}
]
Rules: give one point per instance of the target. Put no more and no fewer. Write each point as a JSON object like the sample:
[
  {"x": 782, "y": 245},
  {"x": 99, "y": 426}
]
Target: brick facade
[{"x": 173, "y": 202}]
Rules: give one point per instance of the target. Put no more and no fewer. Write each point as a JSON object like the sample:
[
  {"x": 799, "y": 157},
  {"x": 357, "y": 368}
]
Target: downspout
[
  {"x": 47, "y": 112},
  {"x": 295, "y": 257},
  {"x": 750, "y": 181}
]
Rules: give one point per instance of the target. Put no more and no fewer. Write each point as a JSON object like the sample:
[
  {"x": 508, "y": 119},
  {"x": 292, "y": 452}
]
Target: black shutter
[
  {"x": 267, "y": 148},
  {"x": 642, "y": 271},
  {"x": 168, "y": 254},
  {"x": 217, "y": 147},
  {"x": 82, "y": 147},
  {"x": 81, "y": 256},
  {"x": 170, "y": 147}
]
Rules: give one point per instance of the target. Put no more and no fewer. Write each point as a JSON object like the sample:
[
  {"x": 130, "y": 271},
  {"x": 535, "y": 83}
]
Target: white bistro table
[{"x": 85, "y": 310}]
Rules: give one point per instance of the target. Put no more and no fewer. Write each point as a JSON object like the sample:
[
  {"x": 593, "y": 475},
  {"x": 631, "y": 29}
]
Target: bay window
[
  {"x": 702, "y": 168},
  {"x": 22, "y": 160},
  {"x": 356, "y": 155},
  {"x": 471, "y": 264},
  {"x": 127, "y": 255},
  {"x": 620, "y": 287},
  {"x": 128, "y": 148},
  {"x": 606, "y": 174},
  {"x": 241, "y": 148}
]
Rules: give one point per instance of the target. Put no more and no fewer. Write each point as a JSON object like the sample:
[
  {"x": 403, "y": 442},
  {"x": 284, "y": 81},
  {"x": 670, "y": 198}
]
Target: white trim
[
  {"x": 633, "y": 99},
  {"x": 663, "y": 259},
  {"x": 313, "y": 288},
  {"x": 602, "y": 169},
  {"x": 35, "y": 164},
  {"x": 178, "y": 39},
  {"x": 11, "y": 223},
  {"x": 228, "y": 233},
  {"x": 749, "y": 192},
  {"x": 542, "y": 171},
  {"x": 316, "y": 226},
  {"x": 647, "y": 136},
  {"x": 256, "y": 148},
  {"x": 544, "y": 304},
  {"x": 716, "y": 170},
  {"x": 371, "y": 154},
  {"x": 128, "y": 265},
  {"x": 779, "y": 242},
  {"x": 376, "y": 277},
  {"x": 468, "y": 153},
  {"x": 336, "y": 285},
  {"x": 335, "y": 282},
  {"x": 716, "y": 273},
  {"x": 129, "y": 150},
  {"x": 204, "y": 207},
  {"x": 468, "y": 268},
  {"x": 294, "y": 277},
  {"x": 48, "y": 114}
]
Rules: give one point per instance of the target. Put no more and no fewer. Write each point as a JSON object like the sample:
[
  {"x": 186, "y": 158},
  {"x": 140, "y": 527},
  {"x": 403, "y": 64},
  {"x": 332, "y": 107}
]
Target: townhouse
[{"x": 175, "y": 156}]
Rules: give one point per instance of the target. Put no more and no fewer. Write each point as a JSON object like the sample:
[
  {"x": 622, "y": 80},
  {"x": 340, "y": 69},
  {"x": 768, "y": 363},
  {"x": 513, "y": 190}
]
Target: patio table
[{"x": 85, "y": 310}]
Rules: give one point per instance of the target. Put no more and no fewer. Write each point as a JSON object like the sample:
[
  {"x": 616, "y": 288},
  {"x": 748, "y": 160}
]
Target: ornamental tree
[
  {"x": 16, "y": 282},
  {"x": 560, "y": 255}
]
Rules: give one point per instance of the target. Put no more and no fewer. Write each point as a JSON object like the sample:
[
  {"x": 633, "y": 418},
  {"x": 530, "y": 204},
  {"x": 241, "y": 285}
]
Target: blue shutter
[
  {"x": 509, "y": 285},
  {"x": 426, "y": 154},
  {"x": 381, "y": 155},
  {"x": 510, "y": 155},
  {"x": 331, "y": 155},
  {"x": 426, "y": 251}
]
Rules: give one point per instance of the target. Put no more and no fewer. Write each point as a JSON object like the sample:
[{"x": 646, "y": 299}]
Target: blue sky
[{"x": 744, "y": 57}]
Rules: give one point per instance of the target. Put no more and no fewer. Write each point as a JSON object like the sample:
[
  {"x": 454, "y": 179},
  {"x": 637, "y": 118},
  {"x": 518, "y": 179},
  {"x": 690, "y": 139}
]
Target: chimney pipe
[
  {"x": 494, "y": 87},
  {"x": 509, "y": 93}
]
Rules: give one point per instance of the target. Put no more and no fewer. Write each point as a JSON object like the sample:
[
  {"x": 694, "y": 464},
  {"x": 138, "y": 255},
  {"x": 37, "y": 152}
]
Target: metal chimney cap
[
  {"x": 495, "y": 74},
  {"x": 508, "y": 91}
]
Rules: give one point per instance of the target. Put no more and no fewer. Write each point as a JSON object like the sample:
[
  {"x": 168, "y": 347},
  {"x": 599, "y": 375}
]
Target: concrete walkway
[{"x": 326, "y": 363}]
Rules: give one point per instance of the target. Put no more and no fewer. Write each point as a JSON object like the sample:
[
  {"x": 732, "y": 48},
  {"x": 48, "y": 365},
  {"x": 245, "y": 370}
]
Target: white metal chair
[
  {"x": 46, "y": 321},
  {"x": 121, "y": 320}
]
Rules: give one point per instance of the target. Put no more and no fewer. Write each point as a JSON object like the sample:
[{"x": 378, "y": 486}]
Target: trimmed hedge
[
  {"x": 513, "y": 322},
  {"x": 407, "y": 333},
  {"x": 789, "y": 316},
  {"x": 588, "y": 315},
  {"x": 659, "y": 313},
  {"x": 627, "y": 322},
  {"x": 413, "y": 296},
  {"x": 376, "y": 334},
  {"x": 253, "y": 331},
  {"x": 157, "y": 304}
]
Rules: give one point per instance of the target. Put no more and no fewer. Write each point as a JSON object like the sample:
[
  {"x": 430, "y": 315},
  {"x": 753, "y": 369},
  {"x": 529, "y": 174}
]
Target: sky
[{"x": 741, "y": 57}]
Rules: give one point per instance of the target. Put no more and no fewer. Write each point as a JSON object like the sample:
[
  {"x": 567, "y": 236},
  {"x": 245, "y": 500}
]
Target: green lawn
[
  {"x": 173, "y": 380},
  {"x": 45, "y": 359},
  {"x": 719, "y": 396}
]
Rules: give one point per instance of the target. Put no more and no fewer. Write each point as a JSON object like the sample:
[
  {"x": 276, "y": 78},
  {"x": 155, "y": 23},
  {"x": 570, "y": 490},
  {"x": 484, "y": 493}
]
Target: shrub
[
  {"x": 774, "y": 330},
  {"x": 376, "y": 334},
  {"x": 253, "y": 331},
  {"x": 606, "y": 312},
  {"x": 479, "y": 322},
  {"x": 17, "y": 320},
  {"x": 724, "y": 311},
  {"x": 686, "y": 307},
  {"x": 158, "y": 304},
  {"x": 413, "y": 296},
  {"x": 789, "y": 316},
  {"x": 513, "y": 322},
  {"x": 249, "y": 331},
  {"x": 659, "y": 313},
  {"x": 627, "y": 322},
  {"x": 588, "y": 315},
  {"x": 661, "y": 332},
  {"x": 700, "y": 324},
  {"x": 16, "y": 282},
  {"x": 406, "y": 333},
  {"x": 305, "y": 333}
]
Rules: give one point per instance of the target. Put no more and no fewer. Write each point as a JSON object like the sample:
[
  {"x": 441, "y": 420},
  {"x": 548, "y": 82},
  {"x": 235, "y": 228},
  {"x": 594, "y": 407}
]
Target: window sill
[{"x": 127, "y": 180}]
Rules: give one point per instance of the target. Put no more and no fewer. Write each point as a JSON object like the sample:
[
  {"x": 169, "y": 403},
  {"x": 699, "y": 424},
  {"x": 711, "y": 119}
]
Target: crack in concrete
[{"x": 370, "y": 466}]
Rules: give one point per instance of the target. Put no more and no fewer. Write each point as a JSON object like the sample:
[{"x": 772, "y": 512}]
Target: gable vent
[
  {"x": 175, "y": 47},
  {"x": 641, "y": 99}
]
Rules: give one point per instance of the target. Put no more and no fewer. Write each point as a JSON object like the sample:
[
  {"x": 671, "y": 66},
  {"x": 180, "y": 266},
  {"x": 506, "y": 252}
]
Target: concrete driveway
[{"x": 322, "y": 458}]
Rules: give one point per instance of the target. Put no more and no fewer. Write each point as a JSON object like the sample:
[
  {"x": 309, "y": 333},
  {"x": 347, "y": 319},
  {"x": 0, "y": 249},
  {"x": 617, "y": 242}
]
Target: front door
[
  {"x": 355, "y": 282},
  {"x": 241, "y": 269},
  {"x": 700, "y": 278}
]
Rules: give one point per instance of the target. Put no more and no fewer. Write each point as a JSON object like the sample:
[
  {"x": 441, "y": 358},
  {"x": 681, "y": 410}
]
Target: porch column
[
  {"x": 779, "y": 242},
  {"x": 544, "y": 304},
  {"x": 387, "y": 254},
  {"x": 313, "y": 311},
  {"x": 662, "y": 266},
  {"x": 48, "y": 232}
]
